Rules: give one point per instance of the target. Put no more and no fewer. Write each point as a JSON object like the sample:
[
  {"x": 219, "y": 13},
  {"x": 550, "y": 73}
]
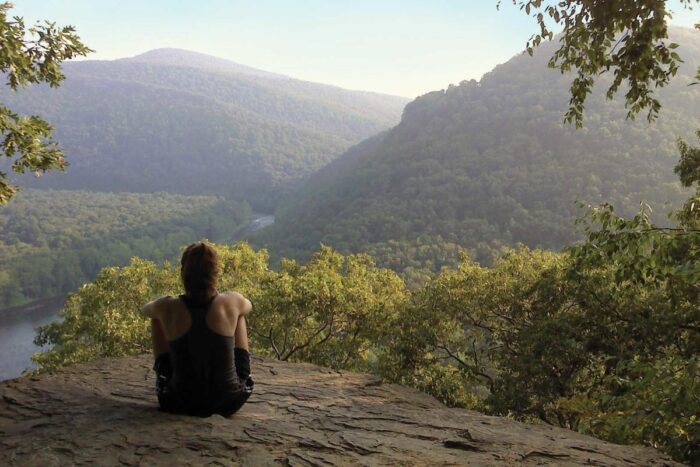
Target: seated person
[{"x": 200, "y": 342}]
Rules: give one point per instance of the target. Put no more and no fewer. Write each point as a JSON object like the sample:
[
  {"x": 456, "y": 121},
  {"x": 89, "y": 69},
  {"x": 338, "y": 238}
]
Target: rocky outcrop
[{"x": 104, "y": 413}]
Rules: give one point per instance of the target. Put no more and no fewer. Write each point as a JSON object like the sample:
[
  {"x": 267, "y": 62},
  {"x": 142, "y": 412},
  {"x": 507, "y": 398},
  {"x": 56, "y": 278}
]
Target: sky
[{"x": 400, "y": 47}]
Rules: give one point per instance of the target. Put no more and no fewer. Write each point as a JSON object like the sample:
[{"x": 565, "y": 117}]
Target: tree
[
  {"x": 636, "y": 282},
  {"x": 625, "y": 37},
  {"x": 333, "y": 310},
  {"x": 28, "y": 56}
]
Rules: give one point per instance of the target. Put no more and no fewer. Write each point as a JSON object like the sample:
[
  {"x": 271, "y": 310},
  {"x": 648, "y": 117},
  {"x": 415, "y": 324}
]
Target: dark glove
[
  {"x": 242, "y": 361},
  {"x": 164, "y": 371}
]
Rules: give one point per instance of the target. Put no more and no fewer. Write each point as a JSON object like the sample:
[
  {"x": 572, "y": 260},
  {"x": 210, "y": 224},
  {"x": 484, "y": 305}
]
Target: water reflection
[{"x": 17, "y": 331}]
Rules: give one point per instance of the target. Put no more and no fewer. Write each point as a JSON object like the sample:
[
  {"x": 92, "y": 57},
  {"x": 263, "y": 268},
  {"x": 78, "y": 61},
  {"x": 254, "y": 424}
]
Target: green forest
[
  {"x": 170, "y": 120},
  {"x": 491, "y": 163},
  {"x": 51, "y": 242}
]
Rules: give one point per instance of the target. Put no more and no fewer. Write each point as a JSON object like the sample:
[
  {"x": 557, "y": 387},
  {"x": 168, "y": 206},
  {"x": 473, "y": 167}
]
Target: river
[
  {"x": 17, "y": 331},
  {"x": 18, "y": 325},
  {"x": 257, "y": 222}
]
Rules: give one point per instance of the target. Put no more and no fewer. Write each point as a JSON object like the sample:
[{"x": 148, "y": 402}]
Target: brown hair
[{"x": 200, "y": 267}]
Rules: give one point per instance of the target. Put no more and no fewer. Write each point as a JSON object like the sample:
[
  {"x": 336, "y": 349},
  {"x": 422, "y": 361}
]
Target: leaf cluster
[
  {"x": 331, "y": 311},
  {"x": 627, "y": 38}
]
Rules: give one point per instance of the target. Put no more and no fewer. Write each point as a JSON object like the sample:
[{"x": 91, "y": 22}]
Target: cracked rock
[{"x": 105, "y": 413}]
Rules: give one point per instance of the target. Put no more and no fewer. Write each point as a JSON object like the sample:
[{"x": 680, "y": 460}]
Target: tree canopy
[{"x": 627, "y": 38}]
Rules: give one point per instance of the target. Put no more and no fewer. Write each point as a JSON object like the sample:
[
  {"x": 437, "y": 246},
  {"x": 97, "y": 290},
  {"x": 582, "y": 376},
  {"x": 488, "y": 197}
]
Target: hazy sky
[{"x": 402, "y": 47}]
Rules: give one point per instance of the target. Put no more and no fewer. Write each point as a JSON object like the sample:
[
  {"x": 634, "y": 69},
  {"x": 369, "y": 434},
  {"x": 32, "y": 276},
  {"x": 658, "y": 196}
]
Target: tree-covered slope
[
  {"x": 53, "y": 241},
  {"x": 178, "y": 121},
  {"x": 491, "y": 162}
]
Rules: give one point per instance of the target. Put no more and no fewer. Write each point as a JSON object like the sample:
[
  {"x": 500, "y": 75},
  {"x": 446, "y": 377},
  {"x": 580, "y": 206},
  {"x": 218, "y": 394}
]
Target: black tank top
[{"x": 204, "y": 372}]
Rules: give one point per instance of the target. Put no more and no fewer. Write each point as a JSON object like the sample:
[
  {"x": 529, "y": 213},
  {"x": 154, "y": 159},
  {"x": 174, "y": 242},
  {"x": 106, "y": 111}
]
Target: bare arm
[{"x": 246, "y": 306}]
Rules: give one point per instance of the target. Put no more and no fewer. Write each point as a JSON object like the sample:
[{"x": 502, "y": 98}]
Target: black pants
[{"x": 170, "y": 402}]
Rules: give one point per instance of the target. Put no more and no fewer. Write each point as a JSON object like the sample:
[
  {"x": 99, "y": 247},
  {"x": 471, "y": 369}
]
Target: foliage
[
  {"x": 627, "y": 38},
  {"x": 651, "y": 402},
  {"x": 637, "y": 280},
  {"x": 330, "y": 311},
  {"x": 586, "y": 340},
  {"x": 53, "y": 241},
  {"x": 639, "y": 284},
  {"x": 31, "y": 55},
  {"x": 688, "y": 170},
  {"x": 102, "y": 318},
  {"x": 341, "y": 304},
  {"x": 419, "y": 260},
  {"x": 455, "y": 325}
]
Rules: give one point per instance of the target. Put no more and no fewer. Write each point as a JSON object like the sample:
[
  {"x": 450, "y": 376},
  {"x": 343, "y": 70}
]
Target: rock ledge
[{"x": 104, "y": 413}]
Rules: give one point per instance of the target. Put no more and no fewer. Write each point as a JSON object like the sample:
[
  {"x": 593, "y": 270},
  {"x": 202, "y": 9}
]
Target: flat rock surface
[{"x": 104, "y": 413}]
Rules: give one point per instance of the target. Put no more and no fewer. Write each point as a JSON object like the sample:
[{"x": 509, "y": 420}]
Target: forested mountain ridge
[
  {"x": 178, "y": 121},
  {"x": 272, "y": 96},
  {"x": 488, "y": 163}
]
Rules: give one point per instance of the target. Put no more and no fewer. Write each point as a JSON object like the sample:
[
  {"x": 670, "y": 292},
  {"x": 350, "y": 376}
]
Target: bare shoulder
[
  {"x": 157, "y": 307},
  {"x": 235, "y": 301},
  {"x": 233, "y": 298}
]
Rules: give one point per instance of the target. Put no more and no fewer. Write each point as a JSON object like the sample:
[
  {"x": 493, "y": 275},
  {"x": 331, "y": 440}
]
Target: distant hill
[
  {"x": 179, "y": 121},
  {"x": 489, "y": 163}
]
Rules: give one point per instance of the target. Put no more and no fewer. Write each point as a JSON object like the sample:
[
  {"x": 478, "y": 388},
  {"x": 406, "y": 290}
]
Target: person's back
[
  {"x": 203, "y": 363},
  {"x": 200, "y": 342}
]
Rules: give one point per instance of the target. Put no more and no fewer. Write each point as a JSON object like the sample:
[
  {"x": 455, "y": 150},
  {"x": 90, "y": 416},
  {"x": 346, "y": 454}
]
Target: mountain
[
  {"x": 179, "y": 121},
  {"x": 490, "y": 163}
]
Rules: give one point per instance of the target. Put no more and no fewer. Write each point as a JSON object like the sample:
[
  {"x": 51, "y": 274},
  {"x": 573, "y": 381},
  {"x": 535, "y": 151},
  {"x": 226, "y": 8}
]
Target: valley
[{"x": 469, "y": 243}]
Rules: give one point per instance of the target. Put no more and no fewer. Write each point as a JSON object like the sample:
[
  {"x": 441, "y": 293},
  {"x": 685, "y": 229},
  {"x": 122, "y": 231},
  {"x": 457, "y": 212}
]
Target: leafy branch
[{"x": 29, "y": 56}]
